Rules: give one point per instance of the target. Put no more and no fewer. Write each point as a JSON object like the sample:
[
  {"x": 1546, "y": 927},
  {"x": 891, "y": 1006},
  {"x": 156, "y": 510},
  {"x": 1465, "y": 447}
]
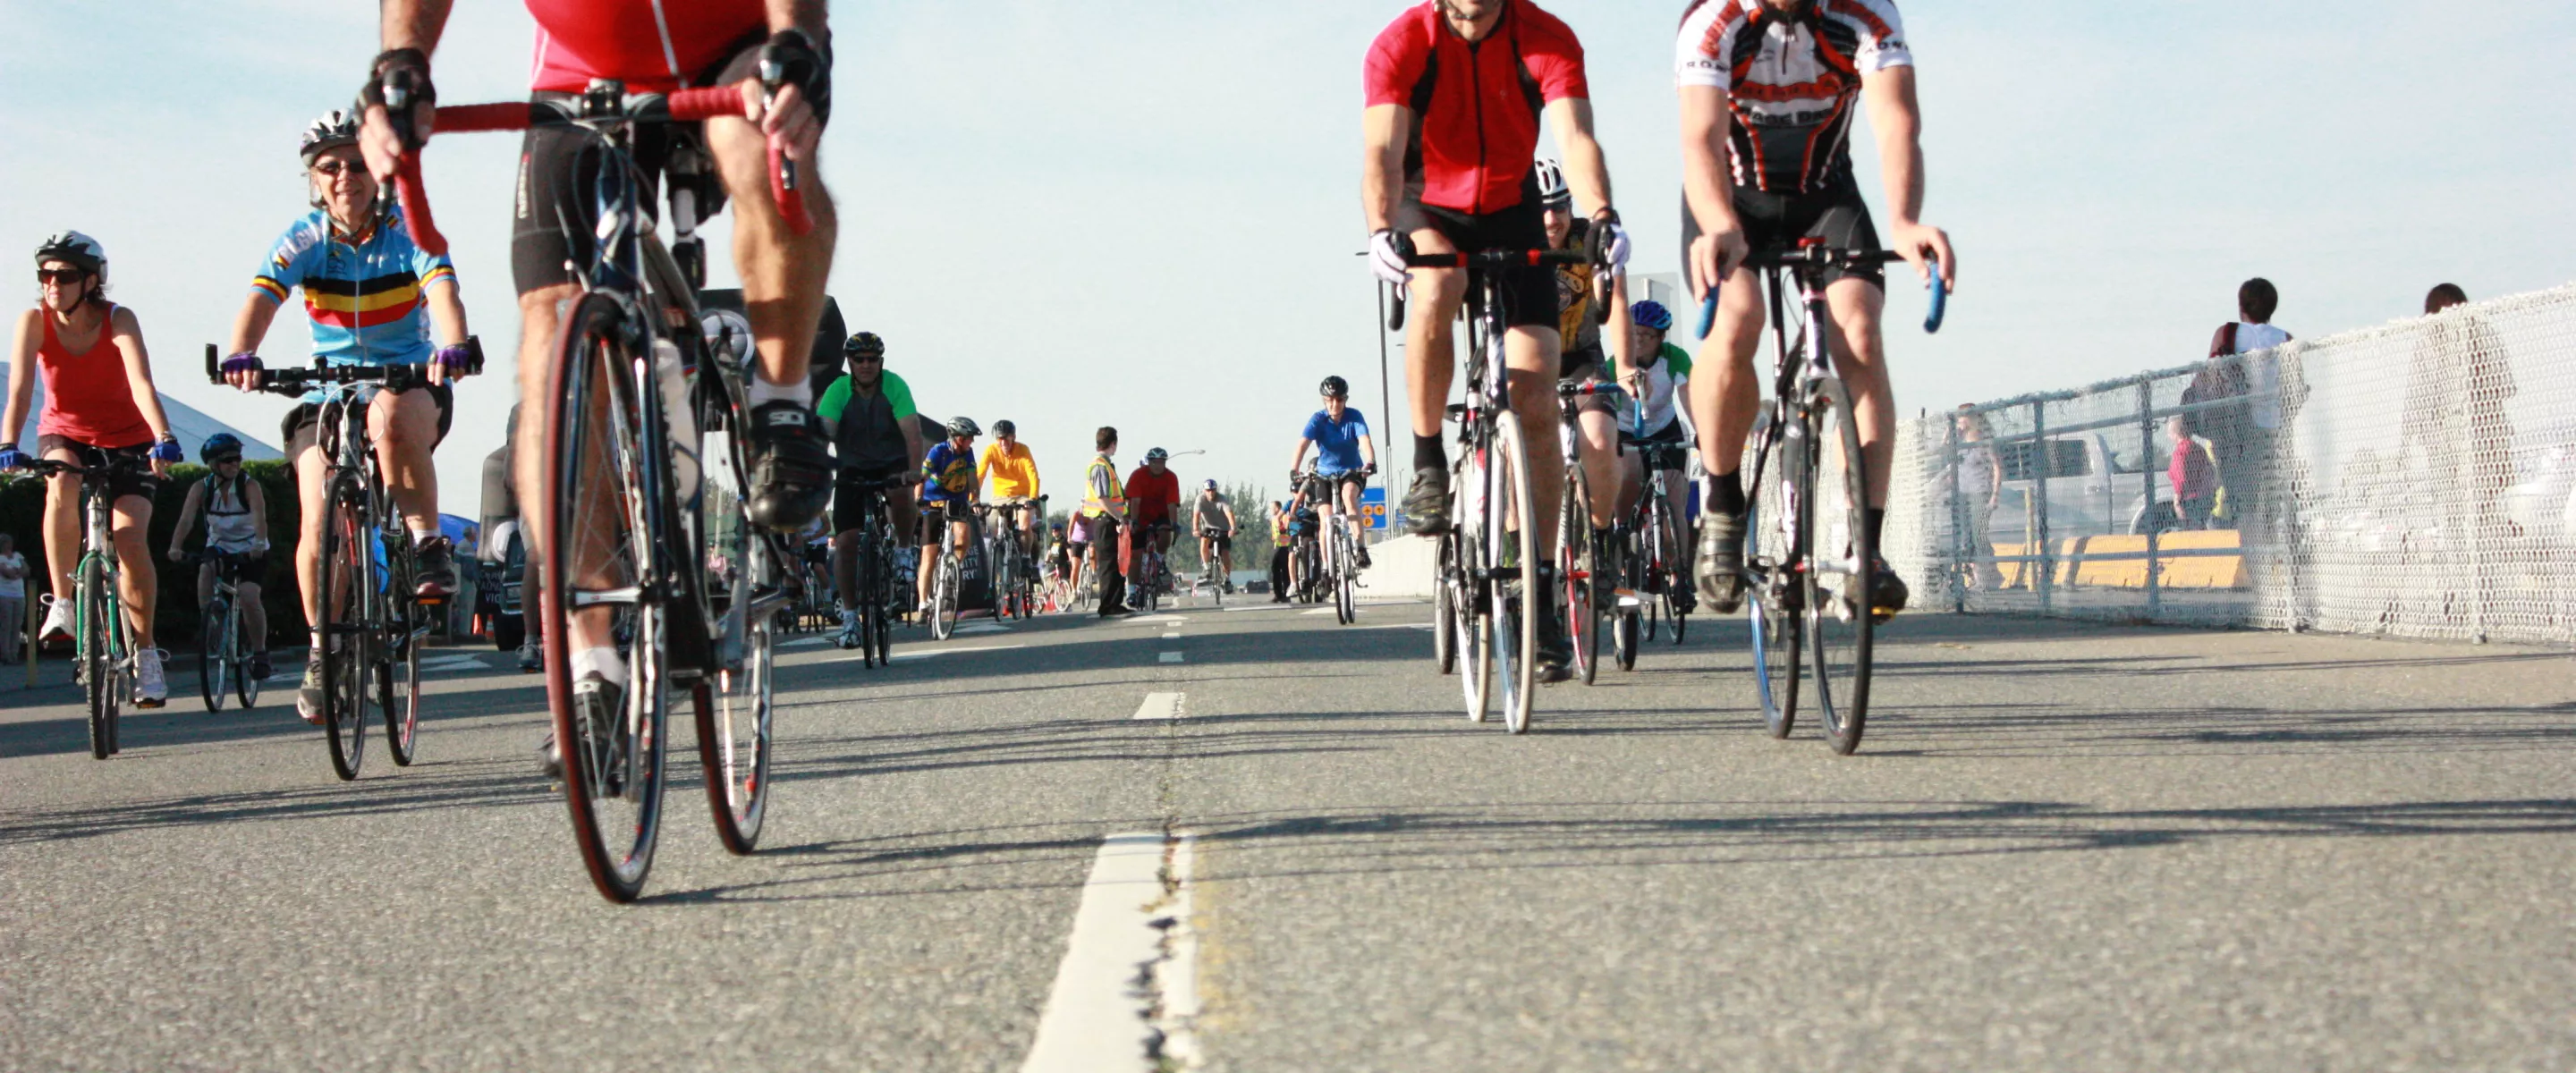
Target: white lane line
[
  {"x": 1319, "y": 611},
  {"x": 983, "y": 627},
  {"x": 1396, "y": 626},
  {"x": 1160, "y": 706},
  {"x": 1172, "y": 635},
  {"x": 1171, "y": 657},
  {"x": 1175, "y": 978},
  {"x": 1260, "y": 607},
  {"x": 1158, "y": 620},
  {"x": 802, "y": 642},
  {"x": 445, "y": 664},
  {"x": 927, "y": 653},
  {"x": 1095, "y": 1016}
]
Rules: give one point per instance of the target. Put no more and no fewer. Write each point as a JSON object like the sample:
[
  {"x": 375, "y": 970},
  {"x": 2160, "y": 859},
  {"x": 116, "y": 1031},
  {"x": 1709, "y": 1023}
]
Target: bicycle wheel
[
  {"x": 1838, "y": 618},
  {"x": 608, "y": 498},
  {"x": 735, "y": 712},
  {"x": 943, "y": 599},
  {"x": 1514, "y": 558},
  {"x": 1473, "y": 615},
  {"x": 244, "y": 649},
  {"x": 1345, "y": 579},
  {"x": 347, "y": 577},
  {"x": 213, "y": 681},
  {"x": 1444, "y": 605},
  {"x": 1779, "y": 634},
  {"x": 1575, "y": 564},
  {"x": 1670, "y": 563},
  {"x": 397, "y": 654},
  {"x": 1624, "y": 628},
  {"x": 98, "y": 655}
]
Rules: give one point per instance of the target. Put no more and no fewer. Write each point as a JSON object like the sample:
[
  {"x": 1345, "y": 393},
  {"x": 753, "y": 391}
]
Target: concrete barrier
[{"x": 1401, "y": 567}]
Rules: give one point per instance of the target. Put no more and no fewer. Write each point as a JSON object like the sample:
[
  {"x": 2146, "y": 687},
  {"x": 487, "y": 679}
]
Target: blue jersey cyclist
[
  {"x": 374, "y": 299},
  {"x": 1344, "y": 456},
  {"x": 948, "y": 483}
]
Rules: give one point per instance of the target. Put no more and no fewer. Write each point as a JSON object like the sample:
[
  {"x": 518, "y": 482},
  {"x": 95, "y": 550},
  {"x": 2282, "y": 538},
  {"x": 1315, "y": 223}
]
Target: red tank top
[{"x": 87, "y": 397}]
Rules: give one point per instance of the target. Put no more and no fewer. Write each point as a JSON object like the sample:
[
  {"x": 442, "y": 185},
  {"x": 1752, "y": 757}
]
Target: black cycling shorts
[
  {"x": 137, "y": 481},
  {"x": 850, "y": 499},
  {"x": 1775, "y": 222},
  {"x": 1529, "y": 293},
  {"x": 301, "y": 429},
  {"x": 1665, "y": 448}
]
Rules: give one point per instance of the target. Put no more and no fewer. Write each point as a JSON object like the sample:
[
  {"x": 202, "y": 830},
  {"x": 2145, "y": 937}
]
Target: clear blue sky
[{"x": 1143, "y": 213}]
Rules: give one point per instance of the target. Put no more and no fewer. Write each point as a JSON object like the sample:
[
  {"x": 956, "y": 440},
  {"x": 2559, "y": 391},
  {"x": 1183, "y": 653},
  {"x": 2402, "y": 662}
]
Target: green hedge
[{"x": 22, "y": 515}]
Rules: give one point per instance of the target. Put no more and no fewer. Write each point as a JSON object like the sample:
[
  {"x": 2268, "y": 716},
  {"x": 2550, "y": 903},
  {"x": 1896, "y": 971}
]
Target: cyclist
[
  {"x": 1584, "y": 361},
  {"x": 1104, "y": 513},
  {"x": 236, "y": 509},
  {"x": 1656, "y": 373},
  {"x": 948, "y": 489},
  {"x": 100, "y": 407},
  {"x": 1767, "y": 88},
  {"x": 1014, "y": 476},
  {"x": 1153, "y": 503},
  {"x": 374, "y": 299},
  {"x": 1451, "y": 126},
  {"x": 658, "y": 48},
  {"x": 1345, "y": 457},
  {"x": 1061, "y": 554},
  {"x": 868, "y": 413},
  {"x": 1214, "y": 518}
]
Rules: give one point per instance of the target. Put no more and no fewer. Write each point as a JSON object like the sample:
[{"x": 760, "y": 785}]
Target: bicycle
[
  {"x": 1145, "y": 590},
  {"x": 947, "y": 577},
  {"x": 373, "y": 622},
  {"x": 104, "y": 652},
  {"x": 1656, "y": 579},
  {"x": 1488, "y": 565},
  {"x": 1337, "y": 573},
  {"x": 874, "y": 596},
  {"x": 1581, "y": 564},
  {"x": 223, "y": 651},
  {"x": 1213, "y": 568},
  {"x": 1015, "y": 581},
  {"x": 1808, "y": 569},
  {"x": 641, "y": 422}
]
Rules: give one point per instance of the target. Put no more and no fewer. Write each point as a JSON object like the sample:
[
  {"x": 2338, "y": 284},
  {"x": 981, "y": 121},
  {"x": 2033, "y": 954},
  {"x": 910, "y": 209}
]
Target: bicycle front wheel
[
  {"x": 98, "y": 658},
  {"x": 1838, "y": 574},
  {"x": 397, "y": 666},
  {"x": 346, "y": 577},
  {"x": 244, "y": 650},
  {"x": 604, "y": 484},
  {"x": 1575, "y": 567},
  {"x": 943, "y": 599},
  {"x": 1444, "y": 605},
  {"x": 1771, "y": 524},
  {"x": 1513, "y": 558},
  {"x": 214, "y": 628},
  {"x": 734, "y": 706}
]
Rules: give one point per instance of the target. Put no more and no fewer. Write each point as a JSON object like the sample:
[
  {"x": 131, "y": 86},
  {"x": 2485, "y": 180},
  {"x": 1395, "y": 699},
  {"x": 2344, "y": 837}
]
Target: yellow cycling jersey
[{"x": 1014, "y": 472}]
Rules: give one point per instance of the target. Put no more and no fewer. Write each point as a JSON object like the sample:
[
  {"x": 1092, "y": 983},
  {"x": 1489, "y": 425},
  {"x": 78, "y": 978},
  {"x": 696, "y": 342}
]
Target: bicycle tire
[
  {"x": 736, "y": 706},
  {"x": 1444, "y": 605},
  {"x": 943, "y": 600},
  {"x": 397, "y": 659},
  {"x": 1623, "y": 639},
  {"x": 1671, "y": 564},
  {"x": 605, "y": 495},
  {"x": 1840, "y": 629},
  {"x": 346, "y": 576},
  {"x": 1474, "y": 613},
  {"x": 1575, "y": 564},
  {"x": 98, "y": 656},
  {"x": 1345, "y": 581},
  {"x": 1515, "y": 558},
  {"x": 1778, "y": 630},
  {"x": 245, "y": 684},
  {"x": 212, "y": 682}
]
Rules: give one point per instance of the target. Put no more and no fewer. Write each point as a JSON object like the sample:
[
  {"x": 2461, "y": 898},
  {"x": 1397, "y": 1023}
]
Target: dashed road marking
[
  {"x": 1172, "y": 635},
  {"x": 929, "y": 652},
  {"x": 802, "y": 642},
  {"x": 1171, "y": 657},
  {"x": 1160, "y": 706}
]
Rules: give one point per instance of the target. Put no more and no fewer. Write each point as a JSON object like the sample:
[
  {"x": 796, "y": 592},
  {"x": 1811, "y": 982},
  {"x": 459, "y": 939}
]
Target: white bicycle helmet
[
  {"x": 1552, "y": 191},
  {"x": 74, "y": 248},
  {"x": 335, "y": 129}
]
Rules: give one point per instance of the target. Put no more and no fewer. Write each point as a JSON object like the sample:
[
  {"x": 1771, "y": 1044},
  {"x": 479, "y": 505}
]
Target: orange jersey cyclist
[
  {"x": 1456, "y": 91},
  {"x": 1769, "y": 90}
]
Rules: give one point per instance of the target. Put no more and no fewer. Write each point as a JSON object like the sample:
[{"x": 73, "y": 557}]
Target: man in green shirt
[{"x": 868, "y": 414}]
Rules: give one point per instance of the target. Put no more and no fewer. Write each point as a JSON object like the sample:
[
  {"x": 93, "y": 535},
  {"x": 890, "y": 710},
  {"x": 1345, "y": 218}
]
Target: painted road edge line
[
  {"x": 1102, "y": 1012},
  {"x": 1160, "y": 706},
  {"x": 1174, "y": 978}
]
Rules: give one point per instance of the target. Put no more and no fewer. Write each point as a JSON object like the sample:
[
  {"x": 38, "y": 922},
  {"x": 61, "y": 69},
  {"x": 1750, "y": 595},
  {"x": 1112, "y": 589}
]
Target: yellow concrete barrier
[{"x": 2078, "y": 566}]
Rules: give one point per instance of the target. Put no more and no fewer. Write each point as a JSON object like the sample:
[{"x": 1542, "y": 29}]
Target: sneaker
[
  {"x": 150, "y": 690},
  {"x": 260, "y": 668},
  {"x": 1721, "y": 562},
  {"x": 849, "y": 637},
  {"x": 532, "y": 658},
  {"x": 791, "y": 466},
  {"x": 58, "y": 621},
  {"x": 1887, "y": 592},
  {"x": 308, "y": 697},
  {"x": 1426, "y": 504},
  {"x": 1555, "y": 655},
  {"x": 596, "y": 707},
  {"x": 1362, "y": 551},
  {"x": 436, "y": 575}
]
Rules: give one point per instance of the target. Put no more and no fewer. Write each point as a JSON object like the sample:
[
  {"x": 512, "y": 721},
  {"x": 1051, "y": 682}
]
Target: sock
[
  {"x": 1726, "y": 493},
  {"x": 601, "y": 661},
  {"x": 1874, "y": 519},
  {"x": 420, "y": 537},
  {"x": 1429, "y": 453},
  {"x": 762, "y": 391}
]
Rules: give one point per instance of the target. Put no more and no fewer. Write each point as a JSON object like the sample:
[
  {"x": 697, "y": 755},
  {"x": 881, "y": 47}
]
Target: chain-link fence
[{"x": 2408, "y": 480}]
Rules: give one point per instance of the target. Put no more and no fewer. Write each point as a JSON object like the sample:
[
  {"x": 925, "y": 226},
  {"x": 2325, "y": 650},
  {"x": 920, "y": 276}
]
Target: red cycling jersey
[
  {"x": 1475, "y": 105},
  {"x": 654, "y": 46},
  {"x": 1150, "y": 497}
]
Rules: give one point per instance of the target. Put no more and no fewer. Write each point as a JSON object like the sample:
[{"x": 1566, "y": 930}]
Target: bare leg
[
  {"x": 783, "y": 273},
  {"x": 1532, "y": 355},
  {"x": 137, "y": 578},
  {"x": 1611, "y": 476},
  {"x": 538, "y": 322},
  {"x": 1860, "y": 358},
  {"x": 62, "y": 525},
  {"x": 405, "y": 429},
  {"x": 1430, "y": 357},
  {"x": 1727, "y": 395},
  {"x": 311, "y": 481}
]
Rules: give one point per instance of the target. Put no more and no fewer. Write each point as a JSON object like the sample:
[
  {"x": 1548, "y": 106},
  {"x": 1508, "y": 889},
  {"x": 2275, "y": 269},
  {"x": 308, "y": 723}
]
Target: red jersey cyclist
[
  {"x": 1456, "y": 90},
  {"x": 374, "y": 299},
  {"x": 656, "y": 47},
  {"x": 99, "y": 405},
  {"x": 1767, "y": 95}
]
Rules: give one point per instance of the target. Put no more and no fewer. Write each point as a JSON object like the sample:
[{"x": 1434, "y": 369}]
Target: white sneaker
[
  {"x": 58, "y": 621},
  {"x": 149, "y": 689}
]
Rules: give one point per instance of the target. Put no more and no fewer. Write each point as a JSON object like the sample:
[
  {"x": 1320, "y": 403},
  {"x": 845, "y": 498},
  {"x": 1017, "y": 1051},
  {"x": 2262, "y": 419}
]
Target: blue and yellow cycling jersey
[
  {"x": 947, "y": 472},
  {"x": 368, "y": 299}
]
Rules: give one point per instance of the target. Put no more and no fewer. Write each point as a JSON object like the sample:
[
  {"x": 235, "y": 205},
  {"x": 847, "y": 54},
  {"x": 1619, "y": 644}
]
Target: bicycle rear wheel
[
  {"x": 1838, "y": 574},
  {"x": 1670, "y": 562},
  {"x": 244, "y": 650},
  {"x": 605, "y": 487},
  {"x": 1444, "y": 605},
  {"x": 736, "y": 716},
  {"x": 1779, "y": 633},
  {"x": 213, "y": 677},
  {"x": 1514, "y": 558},
  {"x": 397, "y": 666},
  {"x": 99, "y": 659},
  {"x": 346, "y": 577},
  {"x": 1575, "y": 564}
]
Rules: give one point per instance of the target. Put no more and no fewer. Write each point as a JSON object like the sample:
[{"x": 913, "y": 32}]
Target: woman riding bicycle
[
  {"x": 373, "y": 298},
  {"x": 237, "y": 525},
  {"x": 100, "y": 409},
  {"x": 1657, "y": 373}
]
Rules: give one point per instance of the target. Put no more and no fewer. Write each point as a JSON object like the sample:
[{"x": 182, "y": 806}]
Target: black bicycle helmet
[
  {"x": 1335, "y": 387},
  {"x": 864, "y": 344},
  {"x": 331, "y": 131},
  {"x": 1157, "y": 454},
  {"x": 963, "y": 426},
  {"x": 220, "y": 446},
  {"x": 1004, "y": 427}
]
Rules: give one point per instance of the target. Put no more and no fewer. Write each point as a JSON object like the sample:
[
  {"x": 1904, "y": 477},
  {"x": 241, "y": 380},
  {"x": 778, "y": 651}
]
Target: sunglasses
[
  {"x": 60, "y": 275},
  {"x": 333, "y": 168}
]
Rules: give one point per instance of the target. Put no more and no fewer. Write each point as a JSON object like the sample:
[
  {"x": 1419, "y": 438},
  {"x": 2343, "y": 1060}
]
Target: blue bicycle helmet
[
  {"x": 221, "y": 445},
  {"x": 1651, "y": 314}
]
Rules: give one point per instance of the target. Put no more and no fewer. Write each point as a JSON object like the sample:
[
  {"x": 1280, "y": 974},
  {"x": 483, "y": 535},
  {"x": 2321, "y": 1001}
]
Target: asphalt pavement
[{"x": 2061, "y": 847}]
